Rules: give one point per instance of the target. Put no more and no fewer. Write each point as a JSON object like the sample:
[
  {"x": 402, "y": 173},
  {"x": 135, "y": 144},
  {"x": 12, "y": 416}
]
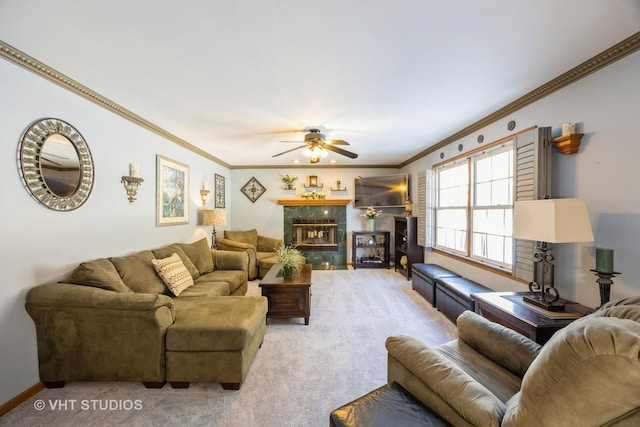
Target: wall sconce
[
  {"x": 204, "y": 193},
  {"x": 213, "y": 218},
  {"x": 132, "y": 182}
]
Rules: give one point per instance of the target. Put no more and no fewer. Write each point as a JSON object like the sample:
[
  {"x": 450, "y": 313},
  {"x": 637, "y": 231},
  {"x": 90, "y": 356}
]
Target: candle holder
[
  {"x": 203, "y": 195},
  {"x": 604, "y": 283}
]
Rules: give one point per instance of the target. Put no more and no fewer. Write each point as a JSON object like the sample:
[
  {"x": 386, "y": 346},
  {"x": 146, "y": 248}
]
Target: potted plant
[
  {"x": 290, "y": 259},
  {"x": 288, "y": 181}
]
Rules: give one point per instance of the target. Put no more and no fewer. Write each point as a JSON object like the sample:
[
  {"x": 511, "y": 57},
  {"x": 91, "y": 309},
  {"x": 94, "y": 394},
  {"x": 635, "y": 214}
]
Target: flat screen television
[{"x": 381, "y": 191}]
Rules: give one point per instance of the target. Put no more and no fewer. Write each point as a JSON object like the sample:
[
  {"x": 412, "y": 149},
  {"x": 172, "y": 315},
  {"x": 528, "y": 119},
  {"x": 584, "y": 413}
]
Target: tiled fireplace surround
[{"x": 336, "y": 258}]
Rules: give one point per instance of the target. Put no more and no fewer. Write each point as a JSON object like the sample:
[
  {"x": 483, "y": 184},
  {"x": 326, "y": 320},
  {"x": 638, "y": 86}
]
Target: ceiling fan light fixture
[{"x": 315, "y": 153}]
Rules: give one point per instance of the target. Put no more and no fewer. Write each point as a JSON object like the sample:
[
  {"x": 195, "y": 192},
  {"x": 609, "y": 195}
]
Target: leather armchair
[
  {"x": 587, "y": 374},
  {"x": 256, "y": 246}
]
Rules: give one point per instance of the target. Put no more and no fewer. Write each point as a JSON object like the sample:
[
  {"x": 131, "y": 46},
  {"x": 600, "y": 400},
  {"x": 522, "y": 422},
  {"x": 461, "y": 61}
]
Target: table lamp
[
  {"x": 214, "y": 217},
  {"x": 549, "y": 221}
]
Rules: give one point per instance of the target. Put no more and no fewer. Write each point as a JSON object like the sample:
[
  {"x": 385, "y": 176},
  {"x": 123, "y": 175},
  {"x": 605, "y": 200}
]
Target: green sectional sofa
[{"x": 175, "y": 314}]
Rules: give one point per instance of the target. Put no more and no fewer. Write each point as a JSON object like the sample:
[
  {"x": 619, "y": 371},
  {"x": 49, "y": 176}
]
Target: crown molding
[
  {"x": 603, "y": 59},
  {"x": 592, "y": 65},
  {"x": 31, "y": 64}
]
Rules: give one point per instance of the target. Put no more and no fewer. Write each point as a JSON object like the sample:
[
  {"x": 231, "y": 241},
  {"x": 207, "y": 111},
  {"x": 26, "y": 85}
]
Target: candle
[
  {"x": 134, "y": 170},
  {"x": 568, "y": 129},
  {"x": 205, "y": 185},
  {"x": 604, "y": 260}
]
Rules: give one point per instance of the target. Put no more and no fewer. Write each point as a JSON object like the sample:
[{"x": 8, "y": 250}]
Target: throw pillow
[
  {"x": 173, "y": 273},
  {"x": 175, "y": 248},
  {"x": 200, "y": 254},
  {"x": 100, "y": 273},
  {"x": 138, "y": 274}
]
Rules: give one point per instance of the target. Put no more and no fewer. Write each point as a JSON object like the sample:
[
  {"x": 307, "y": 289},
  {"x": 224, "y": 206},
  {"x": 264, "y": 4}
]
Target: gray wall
[
  {"x": 40, "y": 245},
  {"x": 605, "y": 172}
]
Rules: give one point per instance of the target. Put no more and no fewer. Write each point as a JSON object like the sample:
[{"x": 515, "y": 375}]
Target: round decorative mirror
[{"x": 56, "y": 164}]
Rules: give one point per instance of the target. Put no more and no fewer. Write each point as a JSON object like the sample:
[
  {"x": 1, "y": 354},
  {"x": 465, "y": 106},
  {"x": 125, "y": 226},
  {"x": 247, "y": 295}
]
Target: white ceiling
[{"x": 392, "y": 77}]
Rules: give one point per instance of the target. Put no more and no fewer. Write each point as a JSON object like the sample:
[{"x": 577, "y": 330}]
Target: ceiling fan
[{"x": 315, "y": 142}]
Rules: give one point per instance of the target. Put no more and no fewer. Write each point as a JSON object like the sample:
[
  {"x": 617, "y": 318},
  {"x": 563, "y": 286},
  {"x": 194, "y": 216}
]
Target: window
[
  {"x": 451, "y": 214},
  {"x": 492, "y": 207},
  {"x": 474, "y": 207},
  {"x": 468, "y": 200}
]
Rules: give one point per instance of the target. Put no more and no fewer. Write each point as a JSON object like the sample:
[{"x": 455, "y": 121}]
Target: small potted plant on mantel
[
  {"x": 288, "y": 181},
  {"x": 290, "y": 259}
]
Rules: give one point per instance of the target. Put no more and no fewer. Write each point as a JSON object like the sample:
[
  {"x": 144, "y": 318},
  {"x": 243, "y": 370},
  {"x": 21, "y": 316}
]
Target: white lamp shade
[
  {"x": 552, "y": 221},
  {"x": 214, "y": 217}
]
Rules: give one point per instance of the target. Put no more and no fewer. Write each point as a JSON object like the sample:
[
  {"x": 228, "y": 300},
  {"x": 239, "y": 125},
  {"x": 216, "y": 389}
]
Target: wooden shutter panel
[{"x": 532, "y": 181}]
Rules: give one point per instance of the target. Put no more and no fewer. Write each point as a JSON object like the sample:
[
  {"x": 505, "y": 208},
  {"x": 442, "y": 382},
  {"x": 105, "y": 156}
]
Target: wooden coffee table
[{"x": 288, "y": 296}]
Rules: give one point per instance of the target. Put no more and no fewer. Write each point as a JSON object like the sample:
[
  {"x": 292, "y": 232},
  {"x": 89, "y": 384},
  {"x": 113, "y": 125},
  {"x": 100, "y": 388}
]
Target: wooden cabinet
[
  {"x": 370, "y": 249},
  {"x": 508, "y": 309},
  {"x": 406, "y": 244}
]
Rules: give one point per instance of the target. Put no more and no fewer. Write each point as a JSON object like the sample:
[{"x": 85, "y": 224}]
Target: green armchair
[{"x": 257, "y": 247}]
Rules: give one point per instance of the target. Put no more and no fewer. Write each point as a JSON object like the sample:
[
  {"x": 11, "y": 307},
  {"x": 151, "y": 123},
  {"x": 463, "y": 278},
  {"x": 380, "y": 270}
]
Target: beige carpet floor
[{"x": 299, "y": 375}]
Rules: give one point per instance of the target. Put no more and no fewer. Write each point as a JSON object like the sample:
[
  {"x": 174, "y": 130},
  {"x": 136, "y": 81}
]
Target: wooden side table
[{"x": 538, "y": 324}]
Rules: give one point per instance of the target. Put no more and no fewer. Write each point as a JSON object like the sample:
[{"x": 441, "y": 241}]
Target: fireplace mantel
[{"x": 314, "y": 202}]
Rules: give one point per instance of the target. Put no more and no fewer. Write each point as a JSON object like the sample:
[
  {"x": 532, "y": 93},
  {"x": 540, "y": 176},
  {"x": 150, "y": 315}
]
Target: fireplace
[
  {"x": 319, "y": 229},
  {"x": 315, "y": 234}
]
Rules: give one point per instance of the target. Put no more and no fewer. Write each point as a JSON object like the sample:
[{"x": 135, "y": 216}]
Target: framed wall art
[
  {"x": 172, "y": 200},
  {"x": 253, "y": 189},
  {"x": 219, "y": 191}
]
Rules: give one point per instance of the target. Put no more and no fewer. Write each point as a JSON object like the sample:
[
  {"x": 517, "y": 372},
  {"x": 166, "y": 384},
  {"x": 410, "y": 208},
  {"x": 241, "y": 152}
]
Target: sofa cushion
[
  {"x": 216, "y": 323},
  {"x": 501, "y": 382},
  {"x": 138, "y": 273},
  {"x": 233, "y": 278},
  {"x": 173, "y": 273},
  {"x": 204, "y": 288},
  {"x": 167, "y": 251},
  {"x": 448, "y": 381},
  {"x": 504, "y": 346},
  {"x": 200, "y": 254},
  {"x": 249, "y": 236},
  {"x": 100, "y": 273}
]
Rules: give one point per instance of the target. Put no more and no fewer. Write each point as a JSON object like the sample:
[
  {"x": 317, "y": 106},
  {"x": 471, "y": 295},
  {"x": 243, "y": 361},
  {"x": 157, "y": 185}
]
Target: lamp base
[{"x": 549, "y": 306}]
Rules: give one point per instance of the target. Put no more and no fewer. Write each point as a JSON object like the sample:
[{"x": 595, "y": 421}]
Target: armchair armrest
[
  {"x": 91, "y": 334},
  {"x": 502, "y": 345},
  {"x": 468, "y": 398},
  {"x": 268, "y": 244},
  {"x": 230, "y": 260}
]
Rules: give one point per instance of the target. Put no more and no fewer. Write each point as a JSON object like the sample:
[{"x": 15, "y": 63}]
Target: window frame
[{"x": 470, "y": 161}]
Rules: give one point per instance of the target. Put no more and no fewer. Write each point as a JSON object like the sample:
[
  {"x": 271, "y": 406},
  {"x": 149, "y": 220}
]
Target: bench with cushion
[
  {"x": 453, "y": 295},
  {"x": 424, "y": 278}
]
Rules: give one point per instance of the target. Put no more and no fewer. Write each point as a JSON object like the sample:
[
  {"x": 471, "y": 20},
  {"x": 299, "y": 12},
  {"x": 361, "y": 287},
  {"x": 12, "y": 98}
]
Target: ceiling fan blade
[
  {"x": 340, "y": 151},
  {"x": 288, "y": 151},
  {"x": 337, "y": 142}
]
